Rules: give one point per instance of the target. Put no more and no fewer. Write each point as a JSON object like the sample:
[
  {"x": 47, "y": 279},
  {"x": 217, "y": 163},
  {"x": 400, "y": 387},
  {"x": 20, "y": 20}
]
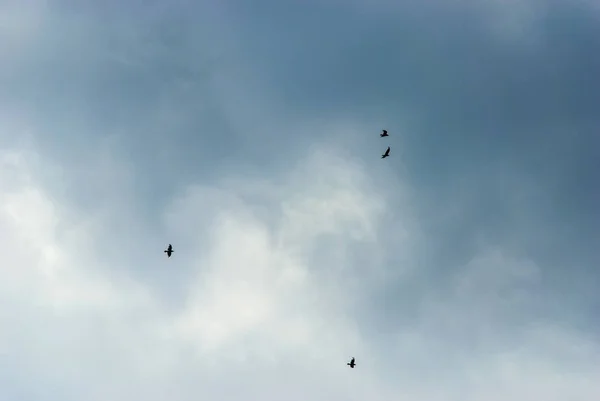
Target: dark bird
[
  {"x": 169, "y": 250},
  {"x": 384, "y": 133},
  {"x": 351, "y": 363},
  {"x": 386, "y": 154}
]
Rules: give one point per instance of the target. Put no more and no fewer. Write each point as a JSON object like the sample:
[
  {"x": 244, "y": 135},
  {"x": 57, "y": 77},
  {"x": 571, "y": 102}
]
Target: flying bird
[
  {"x": 386, "y": 154},
  {"x": 169, "y": 250},
  {"x": 351, "y": 363},
  {"x": 384, "y": 133}
]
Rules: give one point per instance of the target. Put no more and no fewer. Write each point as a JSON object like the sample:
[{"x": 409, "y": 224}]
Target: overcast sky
[{"x": 465, "y": 267}]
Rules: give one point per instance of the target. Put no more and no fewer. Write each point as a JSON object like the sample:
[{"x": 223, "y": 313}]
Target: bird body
[
  {"x": 384, "y": 133},
  {"x": 386, "y": 154},
  {"x": 169, "y": 250},
  {"x": 352, "y": 364}
]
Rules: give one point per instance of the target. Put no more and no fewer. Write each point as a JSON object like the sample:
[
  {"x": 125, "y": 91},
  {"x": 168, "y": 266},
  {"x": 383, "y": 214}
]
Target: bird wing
[{"x": 387, "y": 152}]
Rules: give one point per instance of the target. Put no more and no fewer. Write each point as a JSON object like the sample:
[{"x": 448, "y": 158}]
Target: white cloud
[
  {"x": 266, "y": 312},
  {"x": 256, "y": 293}
]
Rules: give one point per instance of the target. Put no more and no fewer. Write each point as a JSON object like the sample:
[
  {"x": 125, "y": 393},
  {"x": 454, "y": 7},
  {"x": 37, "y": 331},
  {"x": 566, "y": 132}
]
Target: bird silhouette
[{"x": 386, "y": 154}]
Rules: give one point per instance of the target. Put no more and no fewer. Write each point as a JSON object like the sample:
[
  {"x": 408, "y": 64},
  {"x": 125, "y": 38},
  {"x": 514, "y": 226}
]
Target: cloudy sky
[{"x": 464, "y": 267}]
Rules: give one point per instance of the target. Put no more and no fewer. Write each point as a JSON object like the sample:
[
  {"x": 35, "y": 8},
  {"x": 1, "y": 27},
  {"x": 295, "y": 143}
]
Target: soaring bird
[
  {"x": 351, "y": 363},
  {"x": 169, "y": 250},
  {"x": 384, "y": 133},
  {"x": 386, "y": 154}
]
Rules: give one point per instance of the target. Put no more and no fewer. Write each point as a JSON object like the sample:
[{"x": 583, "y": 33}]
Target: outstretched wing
[{"x": 387, "y": 152}]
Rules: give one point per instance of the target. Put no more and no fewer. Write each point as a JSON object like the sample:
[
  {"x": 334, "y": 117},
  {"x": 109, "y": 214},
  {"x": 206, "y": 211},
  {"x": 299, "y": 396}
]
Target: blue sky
[{"x": 463, "y": 267}]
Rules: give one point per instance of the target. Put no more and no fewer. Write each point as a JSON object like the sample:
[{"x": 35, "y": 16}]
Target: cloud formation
[{"x": 461, "y": 268}]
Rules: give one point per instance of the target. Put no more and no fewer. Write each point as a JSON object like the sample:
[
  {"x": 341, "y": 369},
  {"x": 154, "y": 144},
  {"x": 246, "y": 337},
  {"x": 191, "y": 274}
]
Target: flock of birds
[
  {"x": 169, "y": 251},
  {"x": 387, "y": 151}
]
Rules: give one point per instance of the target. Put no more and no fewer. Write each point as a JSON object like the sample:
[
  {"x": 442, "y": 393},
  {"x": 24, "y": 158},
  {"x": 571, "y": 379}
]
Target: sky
[{"x": 463, "y": 267}]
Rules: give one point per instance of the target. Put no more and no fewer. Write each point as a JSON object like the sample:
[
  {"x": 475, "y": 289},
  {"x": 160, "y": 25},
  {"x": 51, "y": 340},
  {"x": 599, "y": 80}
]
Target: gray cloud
[{"x": 462, "y": 268}]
